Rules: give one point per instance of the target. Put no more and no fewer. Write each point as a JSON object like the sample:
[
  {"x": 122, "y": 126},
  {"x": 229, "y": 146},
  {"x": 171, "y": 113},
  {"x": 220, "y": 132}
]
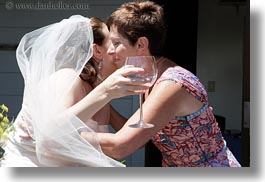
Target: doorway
[{"x": 180, "y": 47}]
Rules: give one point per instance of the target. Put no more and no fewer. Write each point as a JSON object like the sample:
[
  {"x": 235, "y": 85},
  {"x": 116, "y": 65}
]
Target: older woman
[{"x": 185, "y": 129}]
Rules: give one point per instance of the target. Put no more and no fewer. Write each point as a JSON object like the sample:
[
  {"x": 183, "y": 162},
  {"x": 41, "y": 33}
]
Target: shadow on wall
[{"x": 233, "y": 138}]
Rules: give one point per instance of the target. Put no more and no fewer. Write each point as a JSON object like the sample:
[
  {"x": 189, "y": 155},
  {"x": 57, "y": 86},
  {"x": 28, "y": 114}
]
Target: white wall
[
  {"x": 219, "y": 58},
  {"x": 15, "y": 22}
]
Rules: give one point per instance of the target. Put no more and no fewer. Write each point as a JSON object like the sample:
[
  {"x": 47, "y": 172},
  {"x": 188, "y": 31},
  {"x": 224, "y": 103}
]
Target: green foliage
[
  {"x": 123, "y": 162},
  {"x": 6, "y": 126}
]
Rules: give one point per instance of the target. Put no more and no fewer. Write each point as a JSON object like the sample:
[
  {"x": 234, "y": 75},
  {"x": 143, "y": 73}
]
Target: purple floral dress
[{"x": 194, "y": 140}]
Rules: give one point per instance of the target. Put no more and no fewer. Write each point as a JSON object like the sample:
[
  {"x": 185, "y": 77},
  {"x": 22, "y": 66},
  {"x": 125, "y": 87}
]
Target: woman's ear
[
  {"x": 142, "y": 45},
  {"x": 97, "y": 52}
]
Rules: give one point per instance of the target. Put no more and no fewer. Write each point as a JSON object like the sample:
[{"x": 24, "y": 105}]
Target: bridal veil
[{"x": 41, "y": 55}]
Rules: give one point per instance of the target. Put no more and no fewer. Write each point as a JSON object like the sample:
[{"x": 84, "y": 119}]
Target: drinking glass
[{"x": 148, "y": 77}]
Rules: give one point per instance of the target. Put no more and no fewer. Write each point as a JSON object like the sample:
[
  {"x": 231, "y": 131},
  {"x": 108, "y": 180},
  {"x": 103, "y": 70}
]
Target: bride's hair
[{"x": 89, "y": 73}]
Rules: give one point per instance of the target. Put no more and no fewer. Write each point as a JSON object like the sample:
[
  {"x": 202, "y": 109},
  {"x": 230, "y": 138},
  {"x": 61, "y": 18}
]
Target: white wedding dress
[{"x": 55, "y": 140}]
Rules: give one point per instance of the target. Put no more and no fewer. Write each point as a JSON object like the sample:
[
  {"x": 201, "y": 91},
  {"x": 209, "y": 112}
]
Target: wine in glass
[{"x": 148, "y": 77}]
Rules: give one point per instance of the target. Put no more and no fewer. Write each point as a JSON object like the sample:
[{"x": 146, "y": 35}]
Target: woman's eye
[{"x": 116, "y": 43}]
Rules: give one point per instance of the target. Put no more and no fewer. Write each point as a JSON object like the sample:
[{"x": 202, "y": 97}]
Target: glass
[{"x": 148, "y": 77}]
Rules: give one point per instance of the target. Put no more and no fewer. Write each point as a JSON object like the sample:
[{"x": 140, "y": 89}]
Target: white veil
[{"x": 41, "y": 55}]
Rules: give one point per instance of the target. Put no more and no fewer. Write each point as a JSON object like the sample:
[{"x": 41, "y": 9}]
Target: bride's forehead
[
  {"x": 114, "y": 30},
  {"x": 105, "y": 29}
]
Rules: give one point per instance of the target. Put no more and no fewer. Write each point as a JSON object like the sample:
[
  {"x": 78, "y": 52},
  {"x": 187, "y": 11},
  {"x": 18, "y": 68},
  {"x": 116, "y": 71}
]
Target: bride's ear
[
  {"x": 97, "y": 52},
  {"x": 142, "y": 45}
]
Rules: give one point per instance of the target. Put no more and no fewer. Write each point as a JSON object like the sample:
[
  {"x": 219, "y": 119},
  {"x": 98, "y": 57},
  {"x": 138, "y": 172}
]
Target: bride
[{"x": 56, "y": 105}]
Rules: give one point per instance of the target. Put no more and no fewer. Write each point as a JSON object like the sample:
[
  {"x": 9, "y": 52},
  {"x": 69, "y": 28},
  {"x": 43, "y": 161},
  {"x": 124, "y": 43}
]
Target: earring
[
  {"x": 99, "y": 65},
  {"x": 99, "y": 76}
]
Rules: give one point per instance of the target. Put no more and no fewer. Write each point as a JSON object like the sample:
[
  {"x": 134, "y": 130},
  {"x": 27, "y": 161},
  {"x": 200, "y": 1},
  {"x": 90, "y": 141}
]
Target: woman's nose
[{"x": 111, "y": 49}]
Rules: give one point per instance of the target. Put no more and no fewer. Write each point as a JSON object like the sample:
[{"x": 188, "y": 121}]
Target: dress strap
[{"x": 193, "y": 115}]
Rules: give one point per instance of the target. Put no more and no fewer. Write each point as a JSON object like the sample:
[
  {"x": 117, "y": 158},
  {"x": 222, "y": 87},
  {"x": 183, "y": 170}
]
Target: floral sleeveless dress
[{"x": 194, "y": 140}]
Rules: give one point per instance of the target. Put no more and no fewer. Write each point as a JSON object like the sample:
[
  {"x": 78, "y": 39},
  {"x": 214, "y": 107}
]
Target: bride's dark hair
[{"x": 89, "y": 73}]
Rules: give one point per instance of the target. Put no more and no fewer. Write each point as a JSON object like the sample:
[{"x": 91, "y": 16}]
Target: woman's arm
[{"x": 164, "y": 102}]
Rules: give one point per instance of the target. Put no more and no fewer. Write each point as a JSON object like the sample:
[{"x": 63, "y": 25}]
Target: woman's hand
[
  {"x": 115, "y": 86},
  {"x": 119, "y": 85}
]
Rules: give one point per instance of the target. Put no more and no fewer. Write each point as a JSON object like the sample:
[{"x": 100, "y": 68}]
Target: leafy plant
[
  {"x": 6, "y": 126},
  {"x": 123, "y": 162}
]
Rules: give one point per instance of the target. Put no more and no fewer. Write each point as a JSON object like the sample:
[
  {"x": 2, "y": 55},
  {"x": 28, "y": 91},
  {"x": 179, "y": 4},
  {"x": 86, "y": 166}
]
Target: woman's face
[
  {"x": 107, "y": 65},
  {"x": 120, "y": 47}
]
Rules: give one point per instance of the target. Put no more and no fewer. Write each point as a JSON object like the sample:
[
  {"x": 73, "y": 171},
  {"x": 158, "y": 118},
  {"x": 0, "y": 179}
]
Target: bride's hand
[{"x": 119, "y": 85}]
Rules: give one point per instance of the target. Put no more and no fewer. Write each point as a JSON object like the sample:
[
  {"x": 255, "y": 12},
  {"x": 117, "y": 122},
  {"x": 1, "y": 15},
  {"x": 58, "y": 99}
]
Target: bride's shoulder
[
  {"x": 67, "y": 76},
  {"x": 66, "y": 72}
]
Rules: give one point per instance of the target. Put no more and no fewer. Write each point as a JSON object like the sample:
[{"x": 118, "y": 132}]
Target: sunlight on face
[
  {"x": 121, "y": 47},
  {"x": 108, "y": 66}
]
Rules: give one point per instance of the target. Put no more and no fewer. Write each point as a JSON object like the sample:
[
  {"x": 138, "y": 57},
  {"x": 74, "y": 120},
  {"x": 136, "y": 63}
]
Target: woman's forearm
[{"x": 108, "y": 143}]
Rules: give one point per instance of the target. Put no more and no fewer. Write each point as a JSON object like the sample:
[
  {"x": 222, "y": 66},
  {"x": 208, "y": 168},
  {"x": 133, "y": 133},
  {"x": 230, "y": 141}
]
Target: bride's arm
[
  {"x": 115, "y": 86},
  {"x": 158, "y": 110},
  {"x": 116, "y": 119}
]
